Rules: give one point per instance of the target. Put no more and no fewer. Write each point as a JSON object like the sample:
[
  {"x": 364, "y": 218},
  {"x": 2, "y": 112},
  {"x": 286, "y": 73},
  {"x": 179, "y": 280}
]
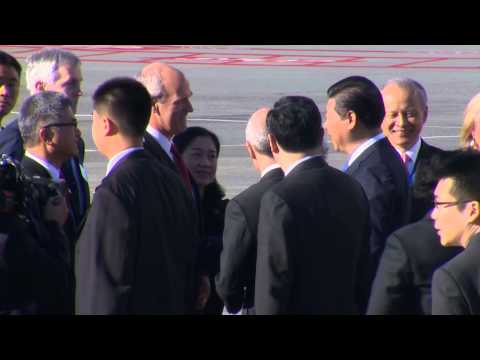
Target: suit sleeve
[
  {"x": 104, "y": 259},
  {"x": 274, "y": 271},
  {"x": 391, "y": 288},
  {"x": 11, "y": 142},
  {"x": 237, "y": 243},
  {"x": 381, "y": 199},
  {"x": 447, "y": 298}
]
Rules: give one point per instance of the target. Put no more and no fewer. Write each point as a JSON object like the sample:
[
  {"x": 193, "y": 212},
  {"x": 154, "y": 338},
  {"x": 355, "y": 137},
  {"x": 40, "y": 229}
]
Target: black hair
[
  {"x": 127, "y": 101},
  {"x": 296, "y": 123},
  {"x": 463, "y": 166},
  {"x": 8, "y": 60},
  {"x": 186, "y": 137},
  {"x": 360, "y": 95}
]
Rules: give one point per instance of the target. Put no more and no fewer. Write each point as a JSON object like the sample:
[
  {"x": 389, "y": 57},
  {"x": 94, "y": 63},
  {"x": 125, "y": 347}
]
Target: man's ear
[
  {"x": 351, "y": 119},
  {"x": 426, "y": 114},
  {"x": 273, "y": 144},
  {"x": 156, "y": 108},
  {"x": 39, "y": 86},
  {"x": 109, "y": 126},
  {"x": 474, "y": 213},
  {"x": 250, "y": 150},
  {"x": 46, "y": 135}
]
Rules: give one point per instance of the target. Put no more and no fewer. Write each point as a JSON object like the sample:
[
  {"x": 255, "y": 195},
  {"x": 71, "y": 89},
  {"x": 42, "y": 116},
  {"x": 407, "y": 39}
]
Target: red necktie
[{"x": 182, "y": 169}]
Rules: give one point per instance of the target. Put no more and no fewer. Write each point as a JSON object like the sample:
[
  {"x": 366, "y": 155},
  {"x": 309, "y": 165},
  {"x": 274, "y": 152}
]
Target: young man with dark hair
[
  {"x": 313, "y": 225},
  {"x": 403, "y": 284},
  {"x": 10, "y": 72},
  {"x": 137, "y": 251},
  {"x": 456, "y": 216},
  {"x": 354, "y": 114}
]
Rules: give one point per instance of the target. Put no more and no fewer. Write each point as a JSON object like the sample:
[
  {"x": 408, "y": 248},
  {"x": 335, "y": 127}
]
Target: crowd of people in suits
[{"x": 395, "y": 231}]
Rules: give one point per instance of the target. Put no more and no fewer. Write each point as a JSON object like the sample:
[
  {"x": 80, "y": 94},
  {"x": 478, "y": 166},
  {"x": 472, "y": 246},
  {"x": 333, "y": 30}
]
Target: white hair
[
  {"x": 412, "y": 86},
  {"x": 43, "y": 66},
  {"x": 153, "y": 84}
]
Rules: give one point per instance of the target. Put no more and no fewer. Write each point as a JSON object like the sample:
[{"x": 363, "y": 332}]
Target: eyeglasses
[
  {"x": 74, "y": 123},
  {"x": 446, "y": 204}
]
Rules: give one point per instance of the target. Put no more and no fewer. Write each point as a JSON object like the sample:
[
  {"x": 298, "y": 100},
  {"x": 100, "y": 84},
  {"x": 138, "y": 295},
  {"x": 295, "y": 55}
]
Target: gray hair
[
  {"x": 259, "y": 140},
  {"x": 43, "y": 66},
  {"x": 152, "y": 83},
  {"x": 412, "y": 86},
  {"x": 44, "y": 108}
]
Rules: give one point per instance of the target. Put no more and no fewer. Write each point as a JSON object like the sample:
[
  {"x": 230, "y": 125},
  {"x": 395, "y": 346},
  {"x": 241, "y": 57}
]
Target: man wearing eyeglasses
[
  {"x": 456, "y": 216},
  {"x": 57, "y": 70},
  {"x": 48, "y": 130}
]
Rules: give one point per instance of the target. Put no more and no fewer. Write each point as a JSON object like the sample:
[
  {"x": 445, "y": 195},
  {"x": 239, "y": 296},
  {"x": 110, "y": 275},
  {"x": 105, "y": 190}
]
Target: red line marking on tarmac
[
  {"x": 101, "y": 54},
  {"x": 172, "y": 54},
  {"x": 419, "y": 62},
  {"x": 328, "y": 50}
]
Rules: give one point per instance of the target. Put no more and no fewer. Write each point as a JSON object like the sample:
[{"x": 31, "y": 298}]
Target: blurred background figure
[
  {"x": 200, "y": 149},
  {"x": 10, "y": 71},
  {"x": 470, "y": 132}
]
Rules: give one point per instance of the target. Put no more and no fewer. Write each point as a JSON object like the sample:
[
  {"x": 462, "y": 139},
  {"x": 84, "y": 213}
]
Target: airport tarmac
[{"x": 229, "y": 82}]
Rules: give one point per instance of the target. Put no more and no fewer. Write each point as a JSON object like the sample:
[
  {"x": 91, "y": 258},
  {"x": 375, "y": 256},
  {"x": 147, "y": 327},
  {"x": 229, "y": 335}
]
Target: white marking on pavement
[{"x": 440, "y": 137}]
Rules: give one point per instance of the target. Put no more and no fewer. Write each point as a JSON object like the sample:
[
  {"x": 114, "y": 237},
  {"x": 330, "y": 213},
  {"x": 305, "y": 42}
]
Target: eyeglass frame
[
  {"x": 73, "y": 123},
  {"x": 436, "y": 204}
]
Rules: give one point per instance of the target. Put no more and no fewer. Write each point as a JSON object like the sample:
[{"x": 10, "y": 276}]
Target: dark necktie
[
  {"x": 68, "y": 195},
  {"x": 182, "y": 169}
]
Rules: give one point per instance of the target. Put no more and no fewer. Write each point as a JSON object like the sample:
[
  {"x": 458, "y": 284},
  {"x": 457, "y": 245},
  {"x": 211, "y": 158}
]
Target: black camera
[{"x": 22, "y": 194}]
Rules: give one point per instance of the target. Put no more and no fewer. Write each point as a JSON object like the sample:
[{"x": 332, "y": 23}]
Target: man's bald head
[
  {"x": 162, "y": 79},
  {"x": 256, "y": 131},
  {"x": 170, "y": 93}
]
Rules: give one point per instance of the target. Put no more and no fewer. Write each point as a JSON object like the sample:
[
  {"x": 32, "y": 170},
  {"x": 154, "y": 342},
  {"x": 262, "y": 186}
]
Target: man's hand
[
  {"x": 204, "y": 291},
  {"x": 56, "y": 210}
]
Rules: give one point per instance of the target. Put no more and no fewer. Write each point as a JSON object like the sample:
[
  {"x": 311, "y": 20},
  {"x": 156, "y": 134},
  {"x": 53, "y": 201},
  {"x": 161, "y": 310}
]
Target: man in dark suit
[
  {"x": 47, "y": 125},
  {"x": 236, "y": 280},
  {"x": 59, "y": 71},
  {"x": 48, "y": 129},
  {"x": 456, "y": 216},
  {"x": 412, "y": 253},
  {"x": 404, "y": 277},
  {"x": 137, "y": 251},
  {"x": 313, "y": 225},
  {"x": 354, "y": 113},
  {"x": 170, "y": 97},
  {"x": 406, "y": 111}
]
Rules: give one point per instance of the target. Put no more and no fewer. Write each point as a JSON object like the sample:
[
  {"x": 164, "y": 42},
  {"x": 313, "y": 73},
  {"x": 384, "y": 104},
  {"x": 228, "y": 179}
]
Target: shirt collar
[
  {"x": 361, "y": 149},
  {"x": 119, "y": 156},
  {"x": 298, "y": 162},
  {"x": 268, "y": 169},
  {"x": 412, "y": 153},
  {"x": 52, "y": 170},
  {"x": 164, "y": 142}
]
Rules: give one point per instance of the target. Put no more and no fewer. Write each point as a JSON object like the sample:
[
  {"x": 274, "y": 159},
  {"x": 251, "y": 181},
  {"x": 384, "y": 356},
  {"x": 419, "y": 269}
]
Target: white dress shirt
[
  {"x": 298, "y": 162},
  {"x": 362, "y": 148},
  {"x": 412, "y": 153},
  {"x": 52, "y": 169},
  {"x": 164, "y": 142},
  {"x": 115, "y": 159}
]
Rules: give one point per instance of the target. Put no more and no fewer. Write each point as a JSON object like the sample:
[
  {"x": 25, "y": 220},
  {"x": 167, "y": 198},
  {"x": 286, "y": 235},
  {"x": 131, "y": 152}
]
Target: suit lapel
[
  {"x": 157, "y": 151},
  {"x": 358, "y": 161},
  {"x": 32, "y": 168}
]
